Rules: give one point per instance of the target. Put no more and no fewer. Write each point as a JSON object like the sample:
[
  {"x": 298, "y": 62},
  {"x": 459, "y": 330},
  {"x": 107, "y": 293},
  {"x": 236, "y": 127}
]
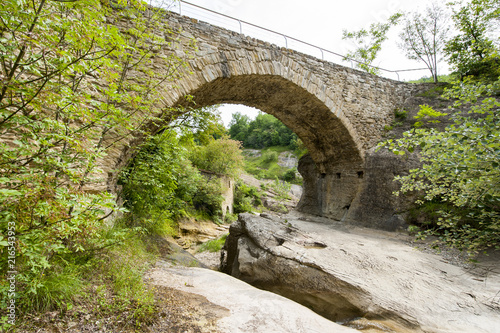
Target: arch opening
[
  {"x": 332, "y": 148},
  {"x": 323, "y": 133}
]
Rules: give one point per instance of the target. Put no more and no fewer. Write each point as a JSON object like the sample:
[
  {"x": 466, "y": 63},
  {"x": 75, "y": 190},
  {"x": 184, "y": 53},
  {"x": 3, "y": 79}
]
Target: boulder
[
  {"x": 245, "y": 309},
  {"x": 347, "y": 274}
]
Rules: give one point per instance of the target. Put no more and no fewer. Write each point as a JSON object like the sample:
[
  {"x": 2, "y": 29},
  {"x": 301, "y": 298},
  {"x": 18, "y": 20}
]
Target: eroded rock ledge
[{"x": 344, "y": 274}]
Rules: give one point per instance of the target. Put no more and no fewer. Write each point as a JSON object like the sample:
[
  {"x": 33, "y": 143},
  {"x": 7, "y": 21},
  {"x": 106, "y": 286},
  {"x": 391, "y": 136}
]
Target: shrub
[
  {"x": 221, "y": 156},
  {"x": 246, "y": 198},
  {"x": 269, "y": 157},
  {"x": 289, "y": 175},
  {"x": 208, "y": 198}
]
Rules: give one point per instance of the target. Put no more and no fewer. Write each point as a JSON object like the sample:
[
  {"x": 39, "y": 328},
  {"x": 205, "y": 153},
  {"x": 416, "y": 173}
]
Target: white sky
[{"x": 318, "y": 22}]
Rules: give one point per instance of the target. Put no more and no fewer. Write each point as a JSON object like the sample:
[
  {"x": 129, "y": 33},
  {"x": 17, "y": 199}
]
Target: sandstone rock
[
  {"x": 192, "y": 232},
  {"x": 250, "y": 310},
  {"x": 348, "y": 273}
]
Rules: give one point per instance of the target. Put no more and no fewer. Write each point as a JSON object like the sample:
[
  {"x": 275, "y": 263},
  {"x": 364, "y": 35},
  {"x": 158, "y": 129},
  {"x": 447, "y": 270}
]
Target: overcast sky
[{"x": 318, "y": 22}]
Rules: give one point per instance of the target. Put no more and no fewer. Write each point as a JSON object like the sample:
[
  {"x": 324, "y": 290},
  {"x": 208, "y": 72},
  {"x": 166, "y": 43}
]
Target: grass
[
  {"x": 213, "y": 245},
  {"x": 100, "y": 284}
]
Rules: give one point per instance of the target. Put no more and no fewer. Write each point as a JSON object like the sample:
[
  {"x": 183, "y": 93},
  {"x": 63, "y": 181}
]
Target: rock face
[
  {"x": 364, "y": 196},
  {"x": 247, "y": 309},
  {"x": 343, "y": 275},
  {"x": 287, "y": 160},
  {"x": 358, "y": 197}
]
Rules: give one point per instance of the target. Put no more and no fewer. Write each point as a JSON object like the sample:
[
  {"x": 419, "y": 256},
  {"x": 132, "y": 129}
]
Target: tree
[
  {"x": 472, "y": 52},
  {"x": 460, "y": 169},
  {"x": 238, "y": 126},
  {"x": 264, "y": 131},
  {"x": 424, "y": 35},
  {"x": 68, "y": 93},
  {"x": 198, "y": 126},
  {"x": 369, "y": 43},
  {"x": 159, "y": 184},
  {"x": 221, "y": 156}
]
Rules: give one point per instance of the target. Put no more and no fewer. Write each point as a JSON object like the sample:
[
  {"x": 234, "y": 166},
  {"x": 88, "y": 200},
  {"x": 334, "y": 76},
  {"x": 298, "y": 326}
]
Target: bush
[
  {"x": 459, "y": 173},
  {"x": 282, "y": 189},
  {"x": 221, "y": 156},
  {"x": 208, "y": 198},
  {"x": 246, "y": 198},
  {"x": 269, "y": 157},
  {"x": 230, "y": 218},
  {"x": 290, "y": 175},
  {"x": 158, "y": 185}
]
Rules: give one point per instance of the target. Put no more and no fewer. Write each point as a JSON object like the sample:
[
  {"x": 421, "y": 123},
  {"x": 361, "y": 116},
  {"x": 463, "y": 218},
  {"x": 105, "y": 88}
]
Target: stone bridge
[{"x": 338, "y": 112}]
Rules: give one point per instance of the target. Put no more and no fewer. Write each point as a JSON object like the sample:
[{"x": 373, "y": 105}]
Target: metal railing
[{"x": 287, "y": 38}]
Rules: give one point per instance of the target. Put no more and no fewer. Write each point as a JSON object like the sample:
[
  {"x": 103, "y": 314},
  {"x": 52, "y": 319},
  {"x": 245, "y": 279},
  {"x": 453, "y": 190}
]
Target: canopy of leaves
[
  {"x": 474, "y": 51},
  {"x": 66, "y": 97},
  {"x": 159, "y": 184},
  {"x": 262, "y": 132},
  {"x": 222, "y": 156}
]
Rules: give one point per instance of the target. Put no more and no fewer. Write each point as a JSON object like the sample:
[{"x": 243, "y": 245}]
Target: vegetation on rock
[{"x": 460, "y": 173}]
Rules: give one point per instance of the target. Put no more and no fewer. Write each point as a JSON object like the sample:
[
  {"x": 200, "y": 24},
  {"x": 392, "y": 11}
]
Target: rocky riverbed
[
  {"x": 357, "y": 279},
  {"x": 350, "y": 275}
]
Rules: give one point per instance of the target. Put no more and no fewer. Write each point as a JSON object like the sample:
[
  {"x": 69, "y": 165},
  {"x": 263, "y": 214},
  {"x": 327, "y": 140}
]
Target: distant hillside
[{"x": 273, "y": 162}]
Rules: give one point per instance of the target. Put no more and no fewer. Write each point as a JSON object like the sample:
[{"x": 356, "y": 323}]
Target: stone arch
[
  {"x": 338, "y": 112},
  {"x": 332, "y": 144},
  {"x": 233, "y": 78},
  {"x": 325, "y": 135}
]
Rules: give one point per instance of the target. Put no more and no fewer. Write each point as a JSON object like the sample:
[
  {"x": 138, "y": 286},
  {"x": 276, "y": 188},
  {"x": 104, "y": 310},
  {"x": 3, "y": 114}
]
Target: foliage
[
  {"x": 262, "y": 132},
  {"x": 238, "y": 127},
  {"x": 424, "y": 35},
  {"x": 222, "y": 156},
  {"x": 246, "y": 198},
  {"x": 448, "y": 78},
  {"x": 282, "y": 189},
  {"x": 426, "y": 114},
  {"x": 158, "y": 184},
  {"x": 266, "y": 167},
  {"x": 208, "y": 196},
  {"x": 198, "y": 126},
  {"x": 460, "y": 169},
  {"x": 435, "y": 92},
  {"x": 369, "y": 43},
  {"x": 230, "y": 218},
  {"x": 474, "y": 50},
  {"x": 269, "y": 157},
  {"x": 161, "y": 185},
  {"x": 68, "y": 94},
  {"x": 214, "y": 245},
  {"x": 290, "y": 175},
  {"x": 105, "y": 283}
]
